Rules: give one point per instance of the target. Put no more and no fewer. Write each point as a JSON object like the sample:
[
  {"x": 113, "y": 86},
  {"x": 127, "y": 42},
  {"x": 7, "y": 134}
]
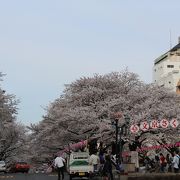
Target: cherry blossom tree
[
  {"x": 85, "y": 108},
  {"x": 12, "y": 134}
]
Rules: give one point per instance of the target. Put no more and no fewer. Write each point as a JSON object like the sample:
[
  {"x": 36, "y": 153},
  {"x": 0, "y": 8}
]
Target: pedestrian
[
  {"x": 163, "y": 163},
  {"x": 59, "y": 163},
  {"x": 169, "y": 163},
  {"x": 101, "y": 153},
  {"x": 94, "y": 160},
  {"x": 176, "y": 162},
  {"x": 107, "y": 169},
  {"x": 157, "y": 163},
  {"x": 147, "y": 163}
]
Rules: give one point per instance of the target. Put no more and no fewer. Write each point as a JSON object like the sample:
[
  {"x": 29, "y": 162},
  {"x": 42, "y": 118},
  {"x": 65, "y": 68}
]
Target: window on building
[
  {"x": 170, "y": 66},
  {"x": 178, "y": 53}
]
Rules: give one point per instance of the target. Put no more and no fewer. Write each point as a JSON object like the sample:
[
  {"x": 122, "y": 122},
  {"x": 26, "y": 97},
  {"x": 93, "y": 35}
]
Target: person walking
[
  {"x": 147, "y": 164},
  {"x": 101, "y": 153},
  {"x": 107, "y": 169},
  {"x": 157, "y": 163},
  {"x": 169, "y": 163},
  {"x": 176, "y": 162},
  {"x": 94, "y": 160},
  {"x": 59, "y": 163},
  {"x": 163, "y": 163}
]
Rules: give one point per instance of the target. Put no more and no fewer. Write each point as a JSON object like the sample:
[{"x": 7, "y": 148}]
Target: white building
[{"x": 166, "y": 70}]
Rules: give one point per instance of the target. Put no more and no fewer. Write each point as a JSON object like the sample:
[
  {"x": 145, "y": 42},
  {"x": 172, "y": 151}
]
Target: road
[
  {"x": 21, "y": 176},
  {"x": 39, "y": 176}
]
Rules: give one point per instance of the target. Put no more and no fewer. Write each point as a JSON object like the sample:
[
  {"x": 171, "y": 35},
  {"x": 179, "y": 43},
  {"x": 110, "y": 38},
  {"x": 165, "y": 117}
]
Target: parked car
[
  {"x": 20, "y": 167},
  {"x": 3, "y": 166}
]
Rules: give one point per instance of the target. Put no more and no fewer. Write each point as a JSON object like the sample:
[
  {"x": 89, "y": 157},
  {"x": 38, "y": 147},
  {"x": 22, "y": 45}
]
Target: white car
[
  {"x": 78, "y": 165},
  {"x": 3, "y": 167}
]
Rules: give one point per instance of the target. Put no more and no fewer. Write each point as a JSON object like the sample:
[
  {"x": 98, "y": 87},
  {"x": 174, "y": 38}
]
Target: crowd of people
[
  {"x": 162, "y": 163},
  {"x": 101, "y": 160}
]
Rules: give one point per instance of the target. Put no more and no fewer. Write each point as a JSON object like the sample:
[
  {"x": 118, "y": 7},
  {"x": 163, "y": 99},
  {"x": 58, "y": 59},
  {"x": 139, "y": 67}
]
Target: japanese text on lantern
[{"x": 154, "y": 124}]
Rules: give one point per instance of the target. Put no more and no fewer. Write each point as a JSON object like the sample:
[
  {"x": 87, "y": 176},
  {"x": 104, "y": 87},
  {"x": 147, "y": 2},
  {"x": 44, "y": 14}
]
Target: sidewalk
[{"x": 147, "y": 176}]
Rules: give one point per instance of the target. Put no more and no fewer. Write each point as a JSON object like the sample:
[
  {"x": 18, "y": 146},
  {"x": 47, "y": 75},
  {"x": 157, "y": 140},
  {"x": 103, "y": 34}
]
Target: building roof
[
  {"x": 175, "y": 48},
  {"x": 166, "y": 54},
  {"x": 160, "y": 58}
]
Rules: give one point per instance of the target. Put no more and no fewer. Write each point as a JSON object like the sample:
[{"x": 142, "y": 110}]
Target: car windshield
[{"x": 80, "y": 157}]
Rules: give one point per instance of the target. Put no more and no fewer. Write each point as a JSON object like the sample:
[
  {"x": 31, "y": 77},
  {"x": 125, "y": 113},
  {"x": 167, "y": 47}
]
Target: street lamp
[
  {"x": 123, "y": 129},
  {"x": 123, "y": 132},
  {"x": 117, "y": 147},
  {"x": 116, "y": 117}
]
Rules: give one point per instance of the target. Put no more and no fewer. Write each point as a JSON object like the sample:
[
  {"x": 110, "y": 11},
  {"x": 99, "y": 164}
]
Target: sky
[{"x": 45, "y": 44}]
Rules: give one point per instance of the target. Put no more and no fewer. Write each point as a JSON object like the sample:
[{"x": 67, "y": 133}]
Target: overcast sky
[{"x": 45, "y": 44}]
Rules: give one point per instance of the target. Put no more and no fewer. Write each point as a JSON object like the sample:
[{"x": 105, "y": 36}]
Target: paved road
[{"x": 21, "y": 176}]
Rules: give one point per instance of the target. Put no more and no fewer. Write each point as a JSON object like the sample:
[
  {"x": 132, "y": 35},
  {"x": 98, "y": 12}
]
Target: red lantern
[
  {"x": 134, "y": 128},
  {"x": 174, "y": 123},
  {"x": 164, "y": 123},
  {"x": 154, "y": 124},
  {"x": 144, "y": 126}
]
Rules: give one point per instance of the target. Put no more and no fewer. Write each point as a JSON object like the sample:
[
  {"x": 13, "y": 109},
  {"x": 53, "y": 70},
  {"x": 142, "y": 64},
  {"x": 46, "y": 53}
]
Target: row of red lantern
[
  {"x": 148, "y": 148},
  {"x": 154, "y": 124}
]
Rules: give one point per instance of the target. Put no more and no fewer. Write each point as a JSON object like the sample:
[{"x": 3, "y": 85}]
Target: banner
[
  {"x": 154, "y": 124},
  {"x": 148, "y": 148}
]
